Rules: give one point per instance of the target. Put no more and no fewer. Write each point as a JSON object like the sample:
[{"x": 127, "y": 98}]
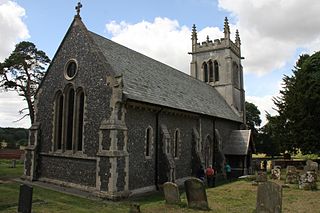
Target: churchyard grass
[{"x": 238, "y": 196}]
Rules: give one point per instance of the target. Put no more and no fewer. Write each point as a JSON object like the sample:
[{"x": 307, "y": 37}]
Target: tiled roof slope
[
  {"x": 151, "y": 81},
  {"x": 238, "y": 143}
]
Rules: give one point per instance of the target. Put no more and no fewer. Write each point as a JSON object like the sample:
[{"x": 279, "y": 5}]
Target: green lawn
[{"x": 239, "y": 196}]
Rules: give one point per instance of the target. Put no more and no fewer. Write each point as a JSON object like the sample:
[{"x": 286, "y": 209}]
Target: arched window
[
  {"x": 58, "y": 120},
  {"x": 205, "y": 72},
  {"x": 149, "y": 142},
  {"x": 216, "y": 71},
  {"x": 210, "y": 71},
  {"x": 69, "y": 118},
  {"x": 176, "y": 143},
  {"x": 235, "y": 74},
  {"x": 79, "y": 119}
]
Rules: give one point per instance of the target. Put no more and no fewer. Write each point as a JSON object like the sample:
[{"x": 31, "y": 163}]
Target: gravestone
[
  {"x": 171, "y": 193},
  {"x": 311, "y": 166},
  {"x": 269, "y": 198},
  {"x": 13, "y": 164},
  {"x": 292, "y": 176},
  {"x": 261, "y": 176},
  {"x": 196, "y": 194},
  {"x": 275, "y": 174},
  {"x": 25, "y": 199},
  {"x": 308, "y": 180}
]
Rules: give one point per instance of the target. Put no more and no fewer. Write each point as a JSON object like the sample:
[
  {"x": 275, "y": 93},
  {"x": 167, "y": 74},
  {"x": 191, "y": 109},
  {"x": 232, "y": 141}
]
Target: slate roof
[
  {"x": 238, "y": 143},
  {"x": 151, "y": 81}
]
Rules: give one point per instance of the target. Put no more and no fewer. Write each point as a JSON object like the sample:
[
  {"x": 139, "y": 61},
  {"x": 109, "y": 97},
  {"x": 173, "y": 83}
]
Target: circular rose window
[{"x": 71, "y": 69}]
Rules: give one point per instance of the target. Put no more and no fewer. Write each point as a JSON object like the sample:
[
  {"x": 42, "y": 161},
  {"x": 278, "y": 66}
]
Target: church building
[{"x": 114, "y": 122}]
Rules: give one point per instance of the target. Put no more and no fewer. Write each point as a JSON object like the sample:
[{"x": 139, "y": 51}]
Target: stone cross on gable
[{"x": 78, "y": 7}]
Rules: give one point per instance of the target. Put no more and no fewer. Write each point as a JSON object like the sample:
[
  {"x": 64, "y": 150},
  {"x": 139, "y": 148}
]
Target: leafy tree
[
  {"x": 23, "y": 71},
  {"x": 299, "y": 107},
  {"x": 252, "y": 116}
]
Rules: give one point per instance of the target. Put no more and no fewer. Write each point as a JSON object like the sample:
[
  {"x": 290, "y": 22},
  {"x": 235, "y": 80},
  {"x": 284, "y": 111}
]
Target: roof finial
[
  {"x": 78, "y": 7},
  {"x": 208, "y": 39},
  {"x": 238, "y": 41},
  {"x": 226, "y": 29}
]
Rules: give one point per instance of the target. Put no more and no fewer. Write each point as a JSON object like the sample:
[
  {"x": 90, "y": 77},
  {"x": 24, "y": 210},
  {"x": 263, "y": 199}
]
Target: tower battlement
[{"x": 217, "y": 44}]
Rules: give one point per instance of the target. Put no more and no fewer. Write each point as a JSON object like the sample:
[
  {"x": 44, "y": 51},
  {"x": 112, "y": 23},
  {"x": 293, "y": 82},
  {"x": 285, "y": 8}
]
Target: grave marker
[
  {"x": 25, "y": 199},
  {"x": 269, "y": 198},
  {"x": 196, "y": 194},
  {"x": 171, "y": 193}
]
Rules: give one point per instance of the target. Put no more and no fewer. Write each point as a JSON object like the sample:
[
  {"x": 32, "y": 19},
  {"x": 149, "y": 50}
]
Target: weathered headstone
[
  {"x": 269, "y": 198},
  {"x": 196, "y": 194},
  {"x": 25, "y": 199},
  {"x": 13, "y": 164},
  {"x": 171, "y": 193},
  {"x": 292, "y": 175},
  {"x": 275, "y": 174},
  {"x": 308, "y": 180},
  {"x": 261, "y": 176},
  {"x": 311, "y": 166}
]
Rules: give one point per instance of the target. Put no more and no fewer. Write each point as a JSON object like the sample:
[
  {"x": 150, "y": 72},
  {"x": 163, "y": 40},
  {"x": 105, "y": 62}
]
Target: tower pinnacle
[
  {"x": 194, "y": 33},
  {"x": 238, "y": 41},
  {"x": 226, "y": 29}
]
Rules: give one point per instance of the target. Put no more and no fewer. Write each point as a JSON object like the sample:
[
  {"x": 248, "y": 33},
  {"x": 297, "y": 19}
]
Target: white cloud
[
  {"x": 10, "y": 105},
  {"x": 272, "y": 30},
  {"x": 264, "y": 104},
  {"x": 163, "y": 39},
  {"x": 12, "y": 27}
]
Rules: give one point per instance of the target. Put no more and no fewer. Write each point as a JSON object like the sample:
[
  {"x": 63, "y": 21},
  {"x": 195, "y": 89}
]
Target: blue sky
[{"x": 273, "y": 34}]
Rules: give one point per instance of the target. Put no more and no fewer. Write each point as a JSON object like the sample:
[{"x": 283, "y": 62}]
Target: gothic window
[
  {"x": 216, "y": 71},
  {"x": 210, "y": 71},
  {"x": 235, "y": 74},
  {"x": 205, "y": 72},
  {"x": 79, "y": 119},
  {"x": 176, "y": 143},
  {"x": 149, "y": 139},
  {"x": 58, "y": 118},
  {"x": 69, "y": 118}
]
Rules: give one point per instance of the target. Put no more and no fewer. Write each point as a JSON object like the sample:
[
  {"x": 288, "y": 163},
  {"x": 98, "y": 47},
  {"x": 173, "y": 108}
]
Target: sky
[{"x": 273, "y": 34}]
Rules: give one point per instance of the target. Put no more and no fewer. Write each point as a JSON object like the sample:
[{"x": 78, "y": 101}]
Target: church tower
[{"x": 218, "y": 63}]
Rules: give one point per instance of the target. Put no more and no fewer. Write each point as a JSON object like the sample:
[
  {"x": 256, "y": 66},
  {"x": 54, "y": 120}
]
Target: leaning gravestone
[
  {"x": 196, "y": 194},
  {"x": 25, "y": 199},
  {"x": 275, "y": 174},
  {"x": 269, "y": 198},
  {"x": 261, "y": 176},
  {"x": 308, "y": 180},
  {"x": 311, "y": 166},
  {"x": 171, "y": 193},
  {"x": 292, "y": 176}
]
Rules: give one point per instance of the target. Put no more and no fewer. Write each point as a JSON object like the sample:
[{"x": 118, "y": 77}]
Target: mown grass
[{"x": 238, "y": 196}]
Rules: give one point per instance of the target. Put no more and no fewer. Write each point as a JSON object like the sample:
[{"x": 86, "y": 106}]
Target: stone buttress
[{"x": 112, "y": 179}]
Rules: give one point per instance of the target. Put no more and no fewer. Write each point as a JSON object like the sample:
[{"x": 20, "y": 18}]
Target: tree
[
  {"x": 23, "y": 71},
  {"x": 299, "y": 107},
  {"x": 252, "y": 116}
]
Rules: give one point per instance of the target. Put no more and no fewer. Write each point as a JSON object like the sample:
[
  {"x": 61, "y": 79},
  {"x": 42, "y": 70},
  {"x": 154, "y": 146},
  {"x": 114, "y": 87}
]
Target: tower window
[
  {"x": 210, "y": 71},
  {"x": 216, "y": 71},
  {"x": 205, "y": 72},
  {"x": 235, "y": 74}
]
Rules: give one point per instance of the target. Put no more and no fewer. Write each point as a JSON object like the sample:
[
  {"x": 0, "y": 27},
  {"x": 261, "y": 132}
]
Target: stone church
[{"x": 116, "y": 123}]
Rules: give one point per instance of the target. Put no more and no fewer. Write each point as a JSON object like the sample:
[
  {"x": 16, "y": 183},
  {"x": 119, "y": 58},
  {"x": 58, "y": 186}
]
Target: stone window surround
[
  {"x": 151, "y": 140},
  {"x": 210, "y": 68},
  {"x": 63, "y": 149},
  {"x": 72, "y": 60}
]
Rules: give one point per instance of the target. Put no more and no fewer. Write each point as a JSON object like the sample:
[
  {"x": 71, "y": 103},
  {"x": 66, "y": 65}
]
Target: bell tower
[{"x": 218, "y": 63}]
